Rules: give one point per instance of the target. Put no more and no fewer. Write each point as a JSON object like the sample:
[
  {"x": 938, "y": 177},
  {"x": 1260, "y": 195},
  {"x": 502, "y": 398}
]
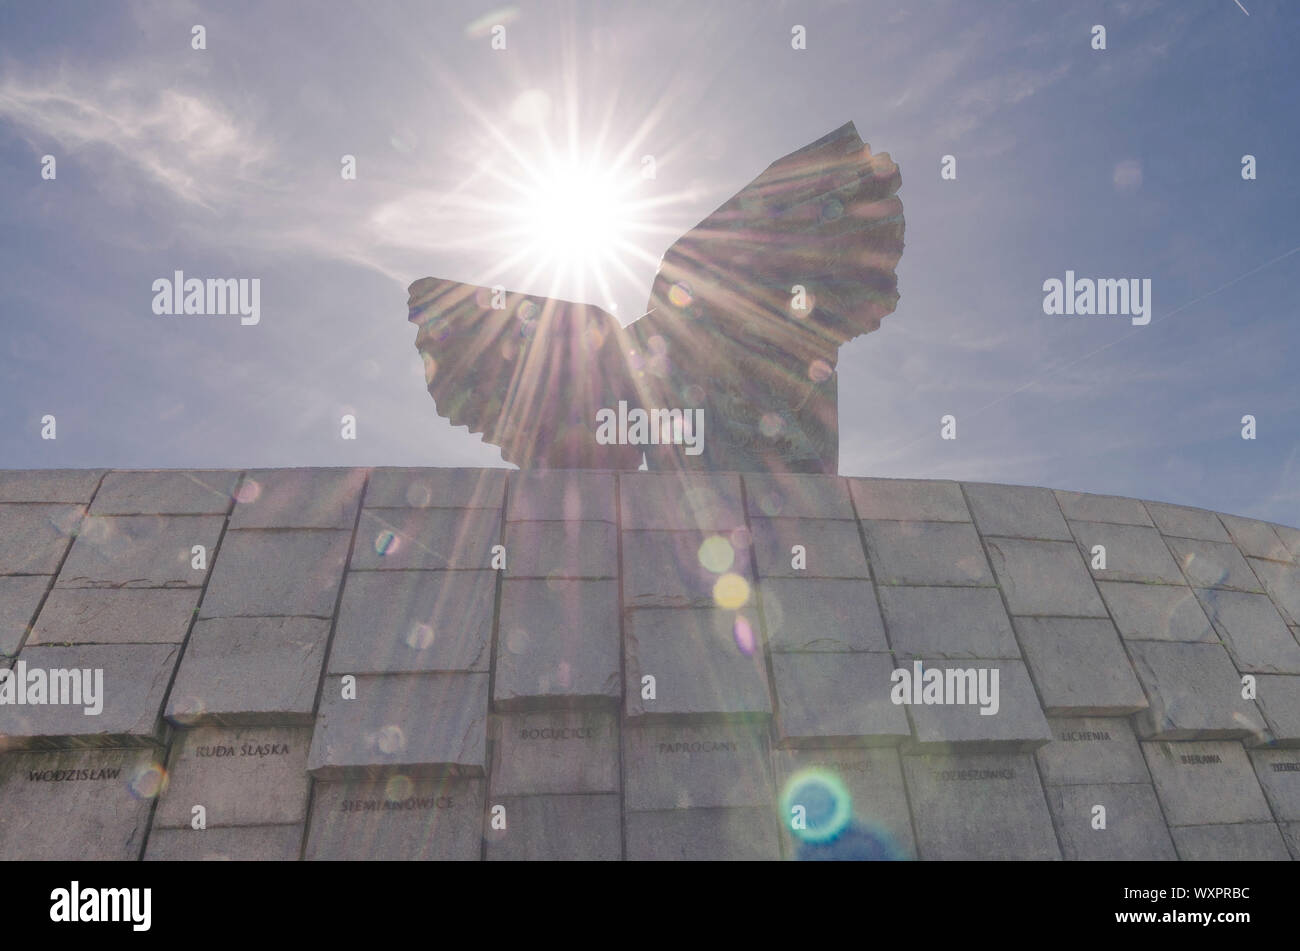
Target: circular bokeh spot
[
  {"x": 420, "y": 637},
  {"x": 819, "y": 371},
  {"x": 679, "y": 295},
  {"x": 771, "y": 424},
  {"x": 517, "y": 640},
  {"x": 250, "y": 490},
  {"x": 816, "y": 805},
  {"x": 716, "y": 554},
  {"x": 148, "y": 782},
  {"x": 731, "y": 592},
  {"x": 418, "y": 495},
  {"x": 398, "y": 788},
  {"x": 391, "y": 739}
]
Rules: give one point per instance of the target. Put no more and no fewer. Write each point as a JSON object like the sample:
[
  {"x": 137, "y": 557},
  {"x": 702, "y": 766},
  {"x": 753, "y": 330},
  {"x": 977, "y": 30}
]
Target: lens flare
[
  {"x": 390, "y": 739},
  {"x": 148, "y": 783},
  {"x": 249, "y": 491},
  {"x": 731, "y": 592},
  {"x": 398, "y": 788},
  {"x": 420, "y": 637},
  {"x": 387, "y": 543},
  {"x": 716, "y": 554},
  {"x": 743, "y": 632},
  {"x": 816, "y": 805}
]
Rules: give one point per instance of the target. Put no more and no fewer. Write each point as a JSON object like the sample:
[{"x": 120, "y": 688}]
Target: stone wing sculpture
[{"x": 745, "y": 320}]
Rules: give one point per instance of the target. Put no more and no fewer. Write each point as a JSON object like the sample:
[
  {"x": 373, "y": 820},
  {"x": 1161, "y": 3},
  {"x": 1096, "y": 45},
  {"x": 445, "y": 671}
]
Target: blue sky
[{"x": 224, "y": 162}]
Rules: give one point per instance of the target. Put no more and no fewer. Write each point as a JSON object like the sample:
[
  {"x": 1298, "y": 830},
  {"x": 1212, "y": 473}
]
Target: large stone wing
[
  {"x": 749, "y": 308},
  {"x": 529, "y": 374}
]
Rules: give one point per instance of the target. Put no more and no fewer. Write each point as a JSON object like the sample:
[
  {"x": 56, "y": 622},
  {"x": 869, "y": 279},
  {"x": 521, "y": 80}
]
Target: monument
[{"x": 740, "y": 337}]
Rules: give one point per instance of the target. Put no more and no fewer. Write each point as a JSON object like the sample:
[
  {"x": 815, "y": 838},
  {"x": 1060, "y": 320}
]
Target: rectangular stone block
[
  {"x": 1213, "y": 565},
  {"x": 414, "y": 724},
  {"x": 1134, "y": 831},
  {"x": 49, "y": 485},
  {"x": 1084, "y": 507},
  {"x": 1184, "y": 522},
  {"x": 414, "y": 621},
  {"x": 1243, "y": 842},
  {"x": 680, "y": 766},
  {"x": 1016, "y": 511},
  {"x": 1018, "y": 723},
  {"x": 561, "y": 752},
  {"x": 249, "y": 776},
  {"x": 436, "y": 488},
  {"x": 429, "y": 539},
  {"x": 703, "y": 835},
  {"x": 250, "y": 671},
  {"x": 558, "y": 644},
  {"x": 1252, "y": 630},
  {"x": 948, "y": 622},
  {"x": 830, "y": 548},
  {"x": 129, "y": 695},
  {"x": 816, "y": 614},
  {"x": 20, "y": 597},
  {"x": 1193, "y": 692},
  {"x": 912, "y": 500},
  {"x": 1255, "y": 538},
  {"x": 403, "y": 820},
  {"x": 76, "y": 805},
  {"x": 229, "y": 844},
  {"x": 979, "y": 807},
  {"x": 1079, "y": 666},
  {"x": 1279, "y": 702},
  {"x": 141, "y": 551},
  {"x": 704, "y": 663},
  {"x": 926, "y": 553},
  {"x": 298, "y": 498},
  {"x": 561, "y": 550},
  {"x": 1282, "y": 582},
  {"x": 115, "y": 616},
  {"x": 1091, "y": 751},
  {"x": 797, "y": 495},
  {"x": 165, "y": 492},
  {"x": 1133, "y": 553},
  {"x": 874, "y": 781},
  {"x": 1279, "y": 775},
  {"x": 36, "y": 537},
  {"x": 837, "y": 700},
  {"x": 561, "y": 494},
  {"x": 1291, "y": 832},
  {"x": 261, "y": 572},
  {"x": 1044, "y": 578},
  {"x": 557, "y": 829},
  {"x": 698, "y": 501},
  {"x": 1205, "y": 783},
  {"x": 1156, "y": 612}
]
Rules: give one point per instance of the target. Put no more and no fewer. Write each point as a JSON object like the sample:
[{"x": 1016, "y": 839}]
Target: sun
[{"x": 578, "y": 219}]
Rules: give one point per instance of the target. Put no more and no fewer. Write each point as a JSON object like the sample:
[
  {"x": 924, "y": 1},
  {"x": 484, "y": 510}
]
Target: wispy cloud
[{"x": 178, "y": 140}]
